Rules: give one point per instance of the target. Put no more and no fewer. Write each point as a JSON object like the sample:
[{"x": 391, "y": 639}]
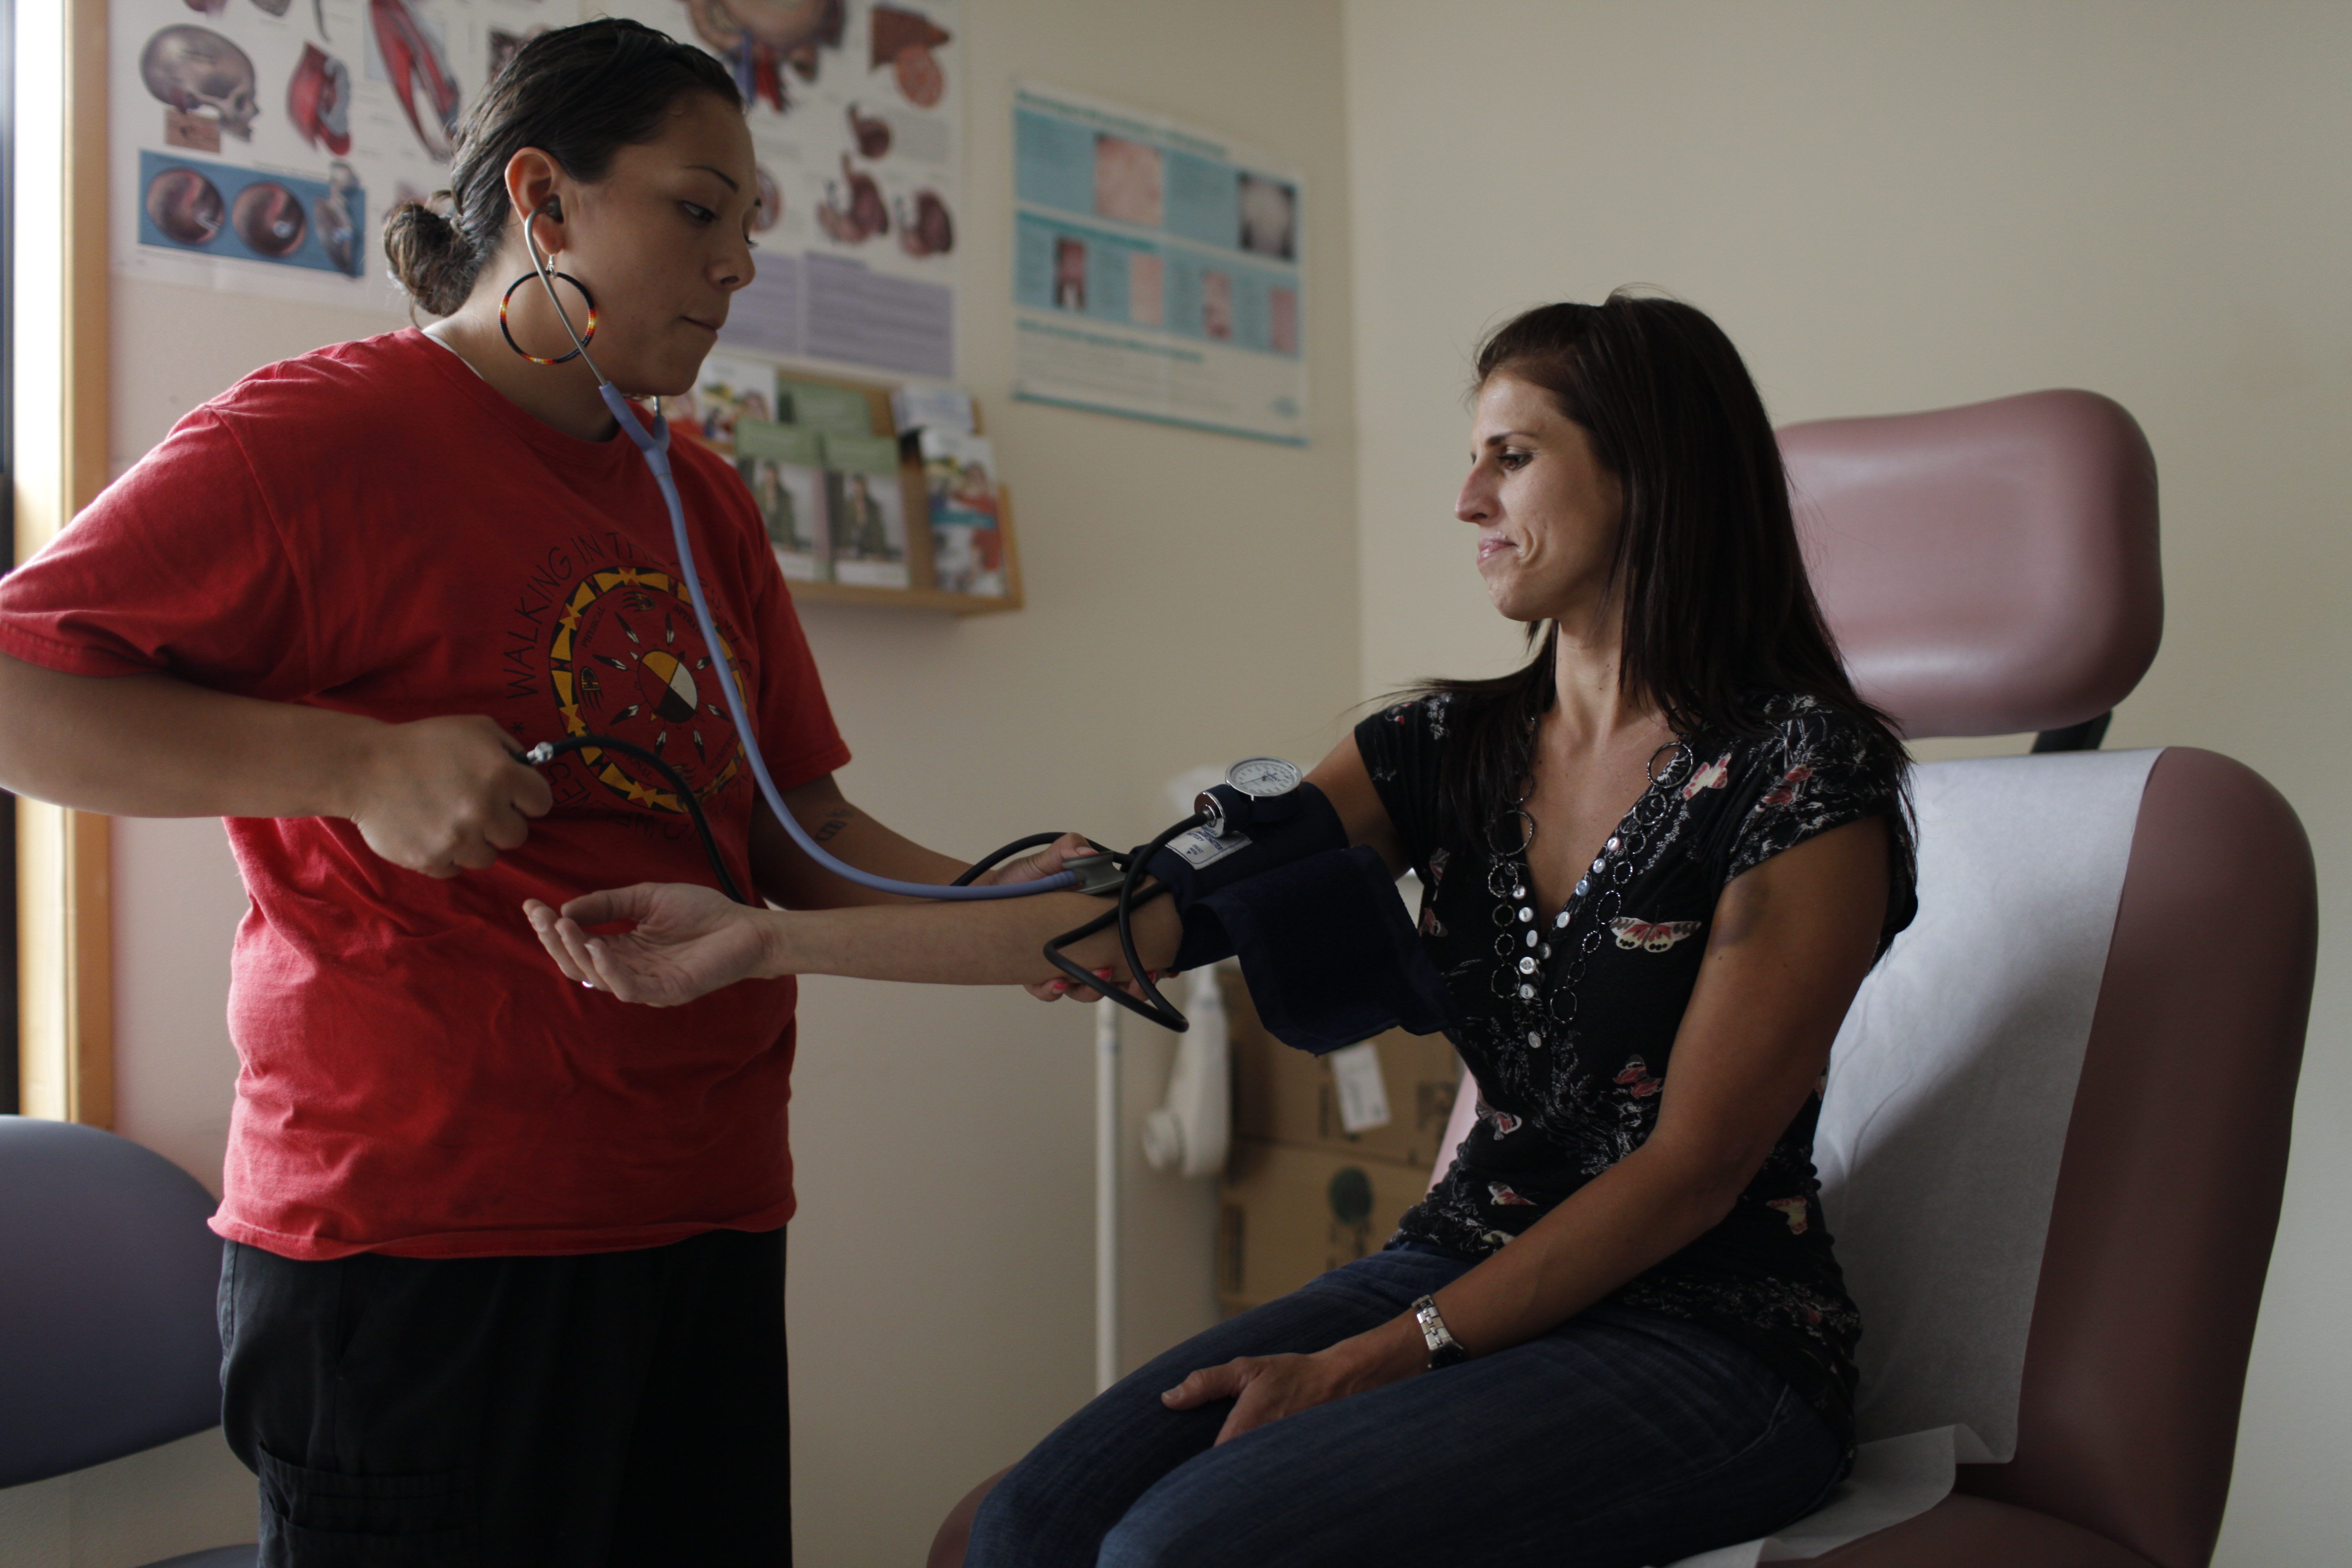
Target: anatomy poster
[
  {"x": 259, "y": 143},
  {"x": 1155, "y": 270},
  {"x": 856, "y": 117}
]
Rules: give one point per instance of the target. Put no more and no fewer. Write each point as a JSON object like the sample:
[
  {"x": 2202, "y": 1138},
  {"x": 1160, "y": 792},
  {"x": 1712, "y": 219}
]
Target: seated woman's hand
[
  {"x": 1266, "y": 1388},
  {"x": 687, "y": 941}
]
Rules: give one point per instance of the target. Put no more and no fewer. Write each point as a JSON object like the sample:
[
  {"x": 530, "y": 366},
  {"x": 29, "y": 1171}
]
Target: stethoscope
[
  {"x": 1255, "y": 779},
  {"x": 652, "y": 445}
]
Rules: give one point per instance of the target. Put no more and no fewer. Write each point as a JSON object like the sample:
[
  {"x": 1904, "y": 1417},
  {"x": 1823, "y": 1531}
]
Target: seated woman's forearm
[
  {"x": 999, "y": 944},
  {"x": 1625, "y": 1221}
]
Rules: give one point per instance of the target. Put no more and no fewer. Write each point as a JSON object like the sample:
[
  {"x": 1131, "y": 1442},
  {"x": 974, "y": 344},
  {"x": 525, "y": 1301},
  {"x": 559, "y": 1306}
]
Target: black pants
[{"x": 616, "y": 1408}]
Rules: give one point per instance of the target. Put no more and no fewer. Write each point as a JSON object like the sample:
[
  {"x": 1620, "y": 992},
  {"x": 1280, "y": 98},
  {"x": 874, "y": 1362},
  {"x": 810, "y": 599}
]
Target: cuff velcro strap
[{"x": 1327, "y": 948}]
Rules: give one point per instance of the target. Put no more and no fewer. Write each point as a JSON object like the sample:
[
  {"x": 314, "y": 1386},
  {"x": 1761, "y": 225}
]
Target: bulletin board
[
  {"x": 257, "y": 145},
  {"x": 1158, "y": 269}
]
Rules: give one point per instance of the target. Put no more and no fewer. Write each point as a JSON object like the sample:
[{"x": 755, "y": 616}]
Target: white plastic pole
[{"x": 1106, "y": 1146}]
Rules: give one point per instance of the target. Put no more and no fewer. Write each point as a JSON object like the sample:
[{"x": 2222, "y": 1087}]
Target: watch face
[{"x": 1264, "y": 777}]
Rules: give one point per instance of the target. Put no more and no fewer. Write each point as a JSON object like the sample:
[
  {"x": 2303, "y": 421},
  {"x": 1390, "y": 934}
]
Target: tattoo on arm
[{"x": 833, "y": 821}]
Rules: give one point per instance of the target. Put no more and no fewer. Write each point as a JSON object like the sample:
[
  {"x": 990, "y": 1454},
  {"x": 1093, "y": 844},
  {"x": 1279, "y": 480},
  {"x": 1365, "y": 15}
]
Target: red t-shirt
[{"x": 370, "y": 528}]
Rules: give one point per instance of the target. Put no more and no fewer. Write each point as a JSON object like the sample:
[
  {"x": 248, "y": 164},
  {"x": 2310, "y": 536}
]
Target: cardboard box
[
  {"x": 1286, "y": 1214},
  {"x": 1286, "y": 1096}
]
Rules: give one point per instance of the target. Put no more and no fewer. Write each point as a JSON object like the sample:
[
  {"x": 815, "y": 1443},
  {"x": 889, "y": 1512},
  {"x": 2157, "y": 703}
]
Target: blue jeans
[{"x": 1620, "y": 1437}]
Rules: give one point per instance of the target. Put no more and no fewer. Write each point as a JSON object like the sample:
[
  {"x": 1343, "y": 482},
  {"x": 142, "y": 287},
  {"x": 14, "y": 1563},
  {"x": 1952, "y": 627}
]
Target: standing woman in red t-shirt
[{"x": 504, "y": 1260}]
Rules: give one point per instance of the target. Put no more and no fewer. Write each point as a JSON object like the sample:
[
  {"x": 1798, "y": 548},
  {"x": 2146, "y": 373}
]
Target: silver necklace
[{"x": 1523, "y": 946}]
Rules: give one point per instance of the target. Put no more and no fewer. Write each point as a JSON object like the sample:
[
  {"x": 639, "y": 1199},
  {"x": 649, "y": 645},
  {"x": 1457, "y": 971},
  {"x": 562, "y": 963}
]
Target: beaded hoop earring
[{"x": 584, "y": 338}]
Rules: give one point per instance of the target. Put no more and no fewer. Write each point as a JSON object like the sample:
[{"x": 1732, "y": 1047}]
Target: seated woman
[{"x": 1658, "y": 861}]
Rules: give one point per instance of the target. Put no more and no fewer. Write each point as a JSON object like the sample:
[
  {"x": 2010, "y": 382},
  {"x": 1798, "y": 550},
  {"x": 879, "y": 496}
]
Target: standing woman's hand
[
  {"x": 1038, "y": 864},
  {"x": 445, "y": 795}
]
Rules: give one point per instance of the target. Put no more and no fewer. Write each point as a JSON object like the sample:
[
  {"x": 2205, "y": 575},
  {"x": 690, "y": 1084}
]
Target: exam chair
[
  {"x": 1994, "y": 570},
  {"x": 108, "y": 1339}
]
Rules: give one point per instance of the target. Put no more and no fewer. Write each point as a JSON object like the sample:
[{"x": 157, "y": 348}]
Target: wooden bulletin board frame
[
  {"x": 65, "y": 926},
  {"x": 923, "y": 593}
]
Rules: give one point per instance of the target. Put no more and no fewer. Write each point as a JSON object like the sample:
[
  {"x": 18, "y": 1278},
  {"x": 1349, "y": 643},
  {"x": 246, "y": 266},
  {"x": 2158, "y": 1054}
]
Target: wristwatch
[{"x": 1444, "y": 1350}]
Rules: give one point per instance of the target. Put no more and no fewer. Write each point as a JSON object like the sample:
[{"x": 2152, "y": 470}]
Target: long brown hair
[{"x": 1720, "y": 617}]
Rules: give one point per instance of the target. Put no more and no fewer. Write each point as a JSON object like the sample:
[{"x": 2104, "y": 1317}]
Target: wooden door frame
[{"x": 65, "y": 928}]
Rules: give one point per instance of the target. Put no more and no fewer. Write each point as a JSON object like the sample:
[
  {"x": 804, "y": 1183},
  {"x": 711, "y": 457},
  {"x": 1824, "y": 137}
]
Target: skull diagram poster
[{"x": 257, "y": 144}]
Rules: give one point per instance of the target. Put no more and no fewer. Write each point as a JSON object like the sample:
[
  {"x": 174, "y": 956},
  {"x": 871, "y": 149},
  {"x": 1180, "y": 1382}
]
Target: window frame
[
  {"x": 10, "y": 1095},
  {"x": 57, "y": 432}
]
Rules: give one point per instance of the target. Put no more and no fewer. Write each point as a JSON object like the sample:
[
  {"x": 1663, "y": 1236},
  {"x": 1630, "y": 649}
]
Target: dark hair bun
[{"x": 429, "y": 257}]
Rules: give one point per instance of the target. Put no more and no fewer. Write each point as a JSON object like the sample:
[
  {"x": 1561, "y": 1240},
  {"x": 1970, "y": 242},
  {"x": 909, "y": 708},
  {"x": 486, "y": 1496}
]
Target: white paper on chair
[
  {"x": 1951, "y": 1088},
  {"x": 1894, "y": 1478}
]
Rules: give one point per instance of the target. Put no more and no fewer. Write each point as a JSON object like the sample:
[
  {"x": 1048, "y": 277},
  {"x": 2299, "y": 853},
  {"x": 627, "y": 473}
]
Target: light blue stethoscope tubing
[{"x": 654, "y": 447}]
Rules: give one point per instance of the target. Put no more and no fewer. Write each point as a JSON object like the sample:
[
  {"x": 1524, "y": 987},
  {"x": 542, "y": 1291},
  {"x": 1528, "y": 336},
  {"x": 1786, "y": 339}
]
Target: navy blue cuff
[{"x": 1329, "y": 951}]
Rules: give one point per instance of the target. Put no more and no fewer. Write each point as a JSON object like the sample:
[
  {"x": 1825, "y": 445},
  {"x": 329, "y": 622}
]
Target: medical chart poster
[
  {"x": 856, "y": 116},
  {"x": 256, "y": 146},
  {"x": 1157, "y": 270}
]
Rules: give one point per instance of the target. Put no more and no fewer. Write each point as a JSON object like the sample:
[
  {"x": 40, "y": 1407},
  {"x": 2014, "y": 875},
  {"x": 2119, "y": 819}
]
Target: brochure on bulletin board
[
  {"x": 967, "y": 530},
  {"x": 1158, "y": 270}
]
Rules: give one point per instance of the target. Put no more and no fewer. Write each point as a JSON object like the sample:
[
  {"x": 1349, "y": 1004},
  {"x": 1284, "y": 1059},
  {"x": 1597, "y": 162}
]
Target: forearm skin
[
  {"x": 150, "y": 745},
  {"x": 785, "y": 874},
  {"x": 996, "y": 944},
  {"x": 1625, "y": 1222}
]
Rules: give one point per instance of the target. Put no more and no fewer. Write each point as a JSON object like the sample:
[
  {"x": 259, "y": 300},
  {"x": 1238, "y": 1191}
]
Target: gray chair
[{"x": 109, "y": 1343}]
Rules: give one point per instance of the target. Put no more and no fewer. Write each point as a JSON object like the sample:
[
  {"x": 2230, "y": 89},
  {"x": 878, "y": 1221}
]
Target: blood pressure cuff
[
  {"x": 1327, "y": 948},
  {"x": 1193, "y": 865}
]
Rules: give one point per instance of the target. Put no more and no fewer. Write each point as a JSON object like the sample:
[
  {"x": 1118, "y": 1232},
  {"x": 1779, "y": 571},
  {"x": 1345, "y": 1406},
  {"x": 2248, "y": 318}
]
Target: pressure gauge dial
[
  {"x": 1263, "y": 778},
  {"x": 1257, "y": 789}
]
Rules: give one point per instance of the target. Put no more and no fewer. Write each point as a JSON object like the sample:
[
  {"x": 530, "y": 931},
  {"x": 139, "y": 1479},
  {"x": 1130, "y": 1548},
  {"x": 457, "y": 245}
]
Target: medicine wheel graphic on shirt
[{"x": 627, "y": 660}]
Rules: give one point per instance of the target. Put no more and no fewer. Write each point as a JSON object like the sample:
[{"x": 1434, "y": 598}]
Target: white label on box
[
  {"x": 1201, "y": 851},
  {"x": 1363, "y": 1092}
]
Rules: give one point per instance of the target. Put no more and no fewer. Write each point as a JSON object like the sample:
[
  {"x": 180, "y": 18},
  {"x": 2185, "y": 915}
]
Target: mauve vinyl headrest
[{"x": 1987, "y": 570}]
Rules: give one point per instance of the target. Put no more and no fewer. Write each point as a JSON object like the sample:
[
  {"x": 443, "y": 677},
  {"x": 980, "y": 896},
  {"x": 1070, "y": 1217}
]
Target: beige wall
[
  {"x": 1890, "y": 207},
  {"x": 1903, "y": 207},
  {"x": 1192, "y": 598}
]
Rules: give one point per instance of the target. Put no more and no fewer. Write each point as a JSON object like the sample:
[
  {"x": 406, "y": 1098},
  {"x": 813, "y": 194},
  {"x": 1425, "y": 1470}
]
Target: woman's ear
[{"x": 532, "y": 179}]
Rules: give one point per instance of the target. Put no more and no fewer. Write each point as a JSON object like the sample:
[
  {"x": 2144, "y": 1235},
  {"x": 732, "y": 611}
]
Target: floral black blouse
[{"x": 1568, "y": 1016}]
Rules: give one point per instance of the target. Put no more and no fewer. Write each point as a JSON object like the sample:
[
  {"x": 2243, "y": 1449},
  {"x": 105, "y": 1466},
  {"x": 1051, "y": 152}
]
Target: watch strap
[{"x": 1444, "y": 1350}]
